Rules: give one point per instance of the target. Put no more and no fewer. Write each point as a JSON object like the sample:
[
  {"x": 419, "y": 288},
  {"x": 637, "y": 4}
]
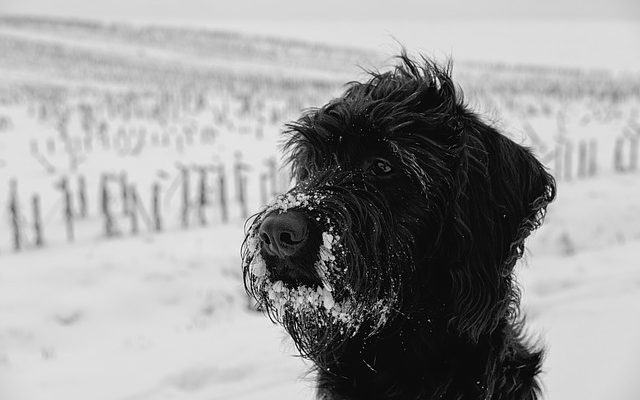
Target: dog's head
[{"x": 406, "y": 204}]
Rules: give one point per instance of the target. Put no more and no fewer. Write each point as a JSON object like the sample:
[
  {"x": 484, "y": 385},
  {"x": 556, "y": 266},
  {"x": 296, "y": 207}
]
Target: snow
[
  {"x": 137, "y": 319},
  {"x": 165, "y": 316}
]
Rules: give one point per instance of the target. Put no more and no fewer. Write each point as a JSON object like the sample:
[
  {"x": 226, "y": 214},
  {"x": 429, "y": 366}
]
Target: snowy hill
[{"x": 125, "y": 53}]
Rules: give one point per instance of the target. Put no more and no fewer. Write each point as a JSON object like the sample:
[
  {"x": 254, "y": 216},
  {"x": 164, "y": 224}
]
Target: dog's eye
[{"x": 380, "y": 167}]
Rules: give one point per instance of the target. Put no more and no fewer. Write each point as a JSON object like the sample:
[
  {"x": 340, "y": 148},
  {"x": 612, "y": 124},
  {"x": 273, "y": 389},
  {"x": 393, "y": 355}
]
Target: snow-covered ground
[
  {"x": 165, "y": 316},
  {"x": 147, "y": 318}
]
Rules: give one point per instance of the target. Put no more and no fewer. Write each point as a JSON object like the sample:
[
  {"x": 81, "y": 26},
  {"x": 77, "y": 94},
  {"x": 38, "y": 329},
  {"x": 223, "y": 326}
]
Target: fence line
[
  {"x": 120, "y": 207},
  {"x": 224, "y": 190}
]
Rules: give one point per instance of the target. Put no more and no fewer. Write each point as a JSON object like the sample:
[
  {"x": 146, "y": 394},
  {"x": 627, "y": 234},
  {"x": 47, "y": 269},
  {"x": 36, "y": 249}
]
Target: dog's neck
[{"x": 420, "y": 361}]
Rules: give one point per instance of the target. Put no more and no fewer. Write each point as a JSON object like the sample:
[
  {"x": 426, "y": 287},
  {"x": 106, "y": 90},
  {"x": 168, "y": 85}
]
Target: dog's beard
[{"x": 343, "y": 298}]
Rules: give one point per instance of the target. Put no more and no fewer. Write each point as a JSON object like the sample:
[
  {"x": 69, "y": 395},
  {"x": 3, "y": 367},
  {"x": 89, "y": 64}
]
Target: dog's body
[{"x": 391, "y": 262}]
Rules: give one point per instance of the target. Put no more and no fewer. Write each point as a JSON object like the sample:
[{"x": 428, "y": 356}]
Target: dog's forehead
[{"x": 354, "y": 149}]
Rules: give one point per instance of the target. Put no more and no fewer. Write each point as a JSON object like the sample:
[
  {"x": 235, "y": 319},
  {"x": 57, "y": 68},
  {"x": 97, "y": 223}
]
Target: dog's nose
[{"x": 284, "y": 234}]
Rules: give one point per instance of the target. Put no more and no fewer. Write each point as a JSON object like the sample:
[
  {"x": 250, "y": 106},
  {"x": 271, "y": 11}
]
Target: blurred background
[{"x": 136, "y": 137}]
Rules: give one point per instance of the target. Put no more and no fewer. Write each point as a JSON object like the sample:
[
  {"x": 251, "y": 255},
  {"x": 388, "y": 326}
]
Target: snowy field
[
  {"x": 165, "y": 316},
  {"x": 153, "y": 316}
]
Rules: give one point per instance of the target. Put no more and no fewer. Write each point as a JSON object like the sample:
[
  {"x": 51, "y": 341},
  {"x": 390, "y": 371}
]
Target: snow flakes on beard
[{"x": 334, "y": 301}]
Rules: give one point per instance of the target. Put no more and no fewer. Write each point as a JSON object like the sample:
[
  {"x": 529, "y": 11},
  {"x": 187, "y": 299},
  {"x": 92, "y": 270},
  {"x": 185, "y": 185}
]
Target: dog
[{"x": 391, "y": 261}]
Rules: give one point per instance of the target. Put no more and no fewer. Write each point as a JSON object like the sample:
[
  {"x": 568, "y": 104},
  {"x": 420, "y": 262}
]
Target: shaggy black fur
[{"x": 431, "y": 208}]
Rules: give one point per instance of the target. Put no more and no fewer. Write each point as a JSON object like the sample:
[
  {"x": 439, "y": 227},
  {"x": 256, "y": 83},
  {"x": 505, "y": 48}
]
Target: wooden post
[
  {"x": 133, "y": 209},
  {"x": 222, "y": 192},
  {"x": 237, "y": 176},
  {"x": 14, "y": 213},
  {"x": 37, "y": 220},
  {"x": 203, "y": 199},
  {"x": 68, "y": 208},
  {"x": 155, "y": 205},
  {"x": 617, "y": 156},
  {"x": 243, "y": 197},
  {"x": 633, "y": 152},
  {"x": 593, "y": 157},
  {"x": 105, "y": 207},
  {"x": 104, "y": 136},
  {"x": 82, "y": 196},
  {"x": 124, "y": 192},
  {"x": 185, "y": 197}
]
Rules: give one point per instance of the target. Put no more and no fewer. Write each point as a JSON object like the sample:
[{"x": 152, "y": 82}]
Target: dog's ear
[{"x": 503, "y": 191}]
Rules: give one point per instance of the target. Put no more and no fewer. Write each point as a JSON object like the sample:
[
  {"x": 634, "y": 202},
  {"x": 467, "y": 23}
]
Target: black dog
[{"x": 390, "y": 263}]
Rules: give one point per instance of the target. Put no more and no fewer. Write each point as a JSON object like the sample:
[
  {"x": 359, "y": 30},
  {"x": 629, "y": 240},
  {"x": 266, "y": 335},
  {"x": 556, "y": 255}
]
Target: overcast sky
[
  {"x": 215, "y": 10},
  {"x": 575, "y": 33}
]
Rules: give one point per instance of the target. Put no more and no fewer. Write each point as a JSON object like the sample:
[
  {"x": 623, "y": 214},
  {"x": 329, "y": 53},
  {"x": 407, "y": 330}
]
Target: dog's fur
[{"x": 430, "y": 208}]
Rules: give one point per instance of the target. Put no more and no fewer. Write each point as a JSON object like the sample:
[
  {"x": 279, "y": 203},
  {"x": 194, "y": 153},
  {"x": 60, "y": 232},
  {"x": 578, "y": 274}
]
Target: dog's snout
[{"x": 284, "y": 234}]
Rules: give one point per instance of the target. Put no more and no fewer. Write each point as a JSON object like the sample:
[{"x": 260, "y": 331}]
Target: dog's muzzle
[{"x": 300, "y": 260}]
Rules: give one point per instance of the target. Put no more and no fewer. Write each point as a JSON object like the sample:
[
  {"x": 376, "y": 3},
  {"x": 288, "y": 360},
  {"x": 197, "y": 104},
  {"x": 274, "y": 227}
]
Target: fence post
[
  {"x": 222, "y": 191},
  {"x": 104, "y": 136},
  {"x": 124, "y": 192},
  {"x": 14, "y": 212},
  {"x": 243, "y": 197},
  {"x": 133, "y": 209},
  {"x": 68, "y": 207},
  {"x": 617, "y": 156},
  {"x": 203, "y": 199},
  {"x": 155, "y": 205},
  {"x": 237, "y": 176},
  {"x": 105, "y": 207},
  {"x": 185, "y": 197},
  {"x": 633, "y": 152},
  {"x": 37, "y": 220},
  {"x": 82, "y": 196},
  {"x": 593, "y": 157}
]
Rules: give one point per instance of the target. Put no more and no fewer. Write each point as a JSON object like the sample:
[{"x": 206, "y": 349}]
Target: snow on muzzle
[{"x": 330, "y": 298}]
